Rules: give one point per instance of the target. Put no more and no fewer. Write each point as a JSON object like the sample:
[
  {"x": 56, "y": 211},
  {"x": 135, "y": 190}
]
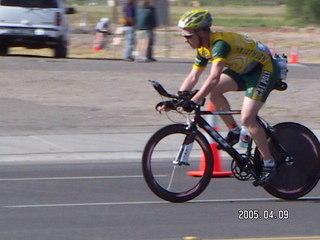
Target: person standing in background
[
  {"x": 102, "y": 30},
  {"x": 129, "y": 15},
  {"x": 145, "y": 24}
]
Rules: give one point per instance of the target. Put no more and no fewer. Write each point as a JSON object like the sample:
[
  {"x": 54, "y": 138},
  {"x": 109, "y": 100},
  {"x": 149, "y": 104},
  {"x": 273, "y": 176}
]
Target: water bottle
[
  {"x": 244, "y": 137},
  {"x": 282, "y": 64}
]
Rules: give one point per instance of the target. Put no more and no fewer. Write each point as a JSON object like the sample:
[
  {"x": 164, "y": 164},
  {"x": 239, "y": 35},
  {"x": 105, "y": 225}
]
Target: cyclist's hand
[
  {"x": 166, "y": 106},
  {"x": 187, "y": 94},
  {"x": 188, "y": 105}
]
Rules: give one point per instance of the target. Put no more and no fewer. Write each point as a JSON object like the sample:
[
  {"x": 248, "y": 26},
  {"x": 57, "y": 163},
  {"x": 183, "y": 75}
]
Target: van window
[{"x": 30, "y": 3}]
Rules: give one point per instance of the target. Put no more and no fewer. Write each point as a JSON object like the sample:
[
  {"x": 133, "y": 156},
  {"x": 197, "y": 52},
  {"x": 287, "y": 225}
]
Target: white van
[{"x": 34, "y": 24}]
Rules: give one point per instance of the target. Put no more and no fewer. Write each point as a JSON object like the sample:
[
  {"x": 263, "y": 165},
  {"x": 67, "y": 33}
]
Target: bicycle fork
[{"x": 182, "y": 157}]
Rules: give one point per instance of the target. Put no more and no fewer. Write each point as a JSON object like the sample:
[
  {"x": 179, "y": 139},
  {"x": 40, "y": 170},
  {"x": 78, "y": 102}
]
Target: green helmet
[{"x": 195, "y": 19}]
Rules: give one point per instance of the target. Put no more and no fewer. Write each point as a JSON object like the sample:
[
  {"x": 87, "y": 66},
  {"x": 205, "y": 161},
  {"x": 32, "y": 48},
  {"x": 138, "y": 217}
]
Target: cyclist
[{"x": 238, "y": 64}]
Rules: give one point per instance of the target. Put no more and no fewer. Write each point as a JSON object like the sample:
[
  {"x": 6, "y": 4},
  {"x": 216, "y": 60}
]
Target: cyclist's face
[{"x": 191, "y": 37}]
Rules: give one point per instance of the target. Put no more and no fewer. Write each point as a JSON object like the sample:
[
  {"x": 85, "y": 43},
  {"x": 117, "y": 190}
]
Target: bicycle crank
[{"x": 240, "y": 172}]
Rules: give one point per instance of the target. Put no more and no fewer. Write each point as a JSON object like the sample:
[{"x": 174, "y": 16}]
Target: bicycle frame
[
  {"x": 287, "y": 158},
  {"x": 202, "y": 123},
  {"x": 242, "y": 161}
]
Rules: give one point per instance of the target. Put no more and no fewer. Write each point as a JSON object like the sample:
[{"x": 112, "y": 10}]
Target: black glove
[
  {"x": 186, "y": 94},
  {"x": 188, "y": 105},
  {"x": 168, "y": 105}
]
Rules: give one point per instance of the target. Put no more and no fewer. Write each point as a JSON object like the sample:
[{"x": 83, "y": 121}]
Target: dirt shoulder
[{"x": 56, "y": 96}]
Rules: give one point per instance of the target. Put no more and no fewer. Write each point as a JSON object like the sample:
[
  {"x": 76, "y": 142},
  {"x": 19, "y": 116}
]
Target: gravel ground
[
  {"x": 76, "y": 98},
  {"x": 170, "y": 44}
]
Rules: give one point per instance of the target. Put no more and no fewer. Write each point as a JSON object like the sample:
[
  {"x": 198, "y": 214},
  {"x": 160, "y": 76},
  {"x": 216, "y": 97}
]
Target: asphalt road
[
  {"x": 109, "y": 200},
  {"x": 106, "y": 198}
]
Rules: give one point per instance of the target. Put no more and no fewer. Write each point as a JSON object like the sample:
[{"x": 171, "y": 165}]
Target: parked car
[{"x": 34, "y": 24}]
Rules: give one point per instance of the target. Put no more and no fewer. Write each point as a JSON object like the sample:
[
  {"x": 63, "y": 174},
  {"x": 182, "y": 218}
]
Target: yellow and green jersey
[
  {"x": 248, "y": 62},
  {"x": 239, "y": 52}
]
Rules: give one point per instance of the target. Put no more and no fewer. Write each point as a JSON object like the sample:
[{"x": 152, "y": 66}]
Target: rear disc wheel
[{"x": 298, "y": 178}]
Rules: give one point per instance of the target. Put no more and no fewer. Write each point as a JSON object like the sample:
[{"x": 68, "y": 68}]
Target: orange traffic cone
[
  {"x": 217, "y": 161},
  {"x": 97, "y": 43},
  {"x": 294, "y": 54},
  {"x": 271, "y": 46}
]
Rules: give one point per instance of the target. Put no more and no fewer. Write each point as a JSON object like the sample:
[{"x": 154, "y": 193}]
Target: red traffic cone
[
  {"x": 217, "y": 161},
  {"x": 294, "y": 54},
  {"x": 97, "y": 43}
]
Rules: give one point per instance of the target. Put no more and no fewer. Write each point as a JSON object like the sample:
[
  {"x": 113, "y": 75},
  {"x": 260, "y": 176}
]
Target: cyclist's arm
[
  {"x": 210, "y": 82},
  {"x": 220, "y": 51},
  {"x": 191, "y": 80}
]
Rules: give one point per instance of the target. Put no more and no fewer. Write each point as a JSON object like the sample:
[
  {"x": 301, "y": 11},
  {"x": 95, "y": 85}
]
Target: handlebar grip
[
  {"x": 170, "y": 105},
  {"x": 187, "y": 95}
]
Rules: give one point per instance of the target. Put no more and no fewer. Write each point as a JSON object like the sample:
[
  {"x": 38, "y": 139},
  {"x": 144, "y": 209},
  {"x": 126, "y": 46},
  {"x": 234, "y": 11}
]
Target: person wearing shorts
[{"x": 239, "y": 63}]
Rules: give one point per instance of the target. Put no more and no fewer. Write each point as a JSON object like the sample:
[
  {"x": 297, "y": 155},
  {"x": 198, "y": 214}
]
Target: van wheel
[
  {"x": 60, "y": 51},
  {"x": 3, "y": 50}
]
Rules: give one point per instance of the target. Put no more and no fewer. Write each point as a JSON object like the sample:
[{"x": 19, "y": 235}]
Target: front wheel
[
  {"x": 298, "y": 178},
  {"x": 168, "y": 164}
]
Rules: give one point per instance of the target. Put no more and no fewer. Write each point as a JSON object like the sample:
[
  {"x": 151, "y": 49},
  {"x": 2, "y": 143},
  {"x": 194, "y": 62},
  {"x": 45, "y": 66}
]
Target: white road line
[
  {"x": 153, "y": 202},
  {"x": 84, "y": 204},
  {"x": 75, "y": 178},
  {"x": 272, "y": 238},
  {"x": 69, "y": 178}
]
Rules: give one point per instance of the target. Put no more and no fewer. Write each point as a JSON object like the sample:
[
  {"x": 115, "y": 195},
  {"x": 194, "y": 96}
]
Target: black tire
[
  {"x": 176, "y": 183},
  {"x": 4, "y": 49},
  {"x": 61, "y": 50},
  {"x": 295, "y": 180}
]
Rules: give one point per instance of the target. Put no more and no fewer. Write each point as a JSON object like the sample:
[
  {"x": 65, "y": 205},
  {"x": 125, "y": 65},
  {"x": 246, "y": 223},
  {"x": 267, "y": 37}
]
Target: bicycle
[{"x": 177, "y": 149}]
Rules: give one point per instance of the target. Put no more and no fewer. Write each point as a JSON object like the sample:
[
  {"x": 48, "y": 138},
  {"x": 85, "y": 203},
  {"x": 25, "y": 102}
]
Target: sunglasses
[{"x": 188, "y": 35}]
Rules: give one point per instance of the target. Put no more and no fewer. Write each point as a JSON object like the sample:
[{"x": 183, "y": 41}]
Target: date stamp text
[{"x": 255, "y": 214}]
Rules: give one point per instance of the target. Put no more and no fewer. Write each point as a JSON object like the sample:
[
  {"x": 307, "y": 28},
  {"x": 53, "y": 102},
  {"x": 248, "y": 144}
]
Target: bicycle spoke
[{"x": 171, "y": 178}]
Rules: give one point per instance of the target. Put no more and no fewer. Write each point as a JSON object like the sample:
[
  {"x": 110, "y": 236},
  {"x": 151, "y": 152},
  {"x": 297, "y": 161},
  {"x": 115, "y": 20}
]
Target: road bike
[{"x": 176, "y": 150}]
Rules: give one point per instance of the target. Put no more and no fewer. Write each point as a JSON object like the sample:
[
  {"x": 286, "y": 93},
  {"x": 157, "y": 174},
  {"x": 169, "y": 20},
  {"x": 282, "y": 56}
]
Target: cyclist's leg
[
  {"x": 226, "y": 84},
  {"x": 249, "y": 113},
  {"x": 259, "y": 84}
]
